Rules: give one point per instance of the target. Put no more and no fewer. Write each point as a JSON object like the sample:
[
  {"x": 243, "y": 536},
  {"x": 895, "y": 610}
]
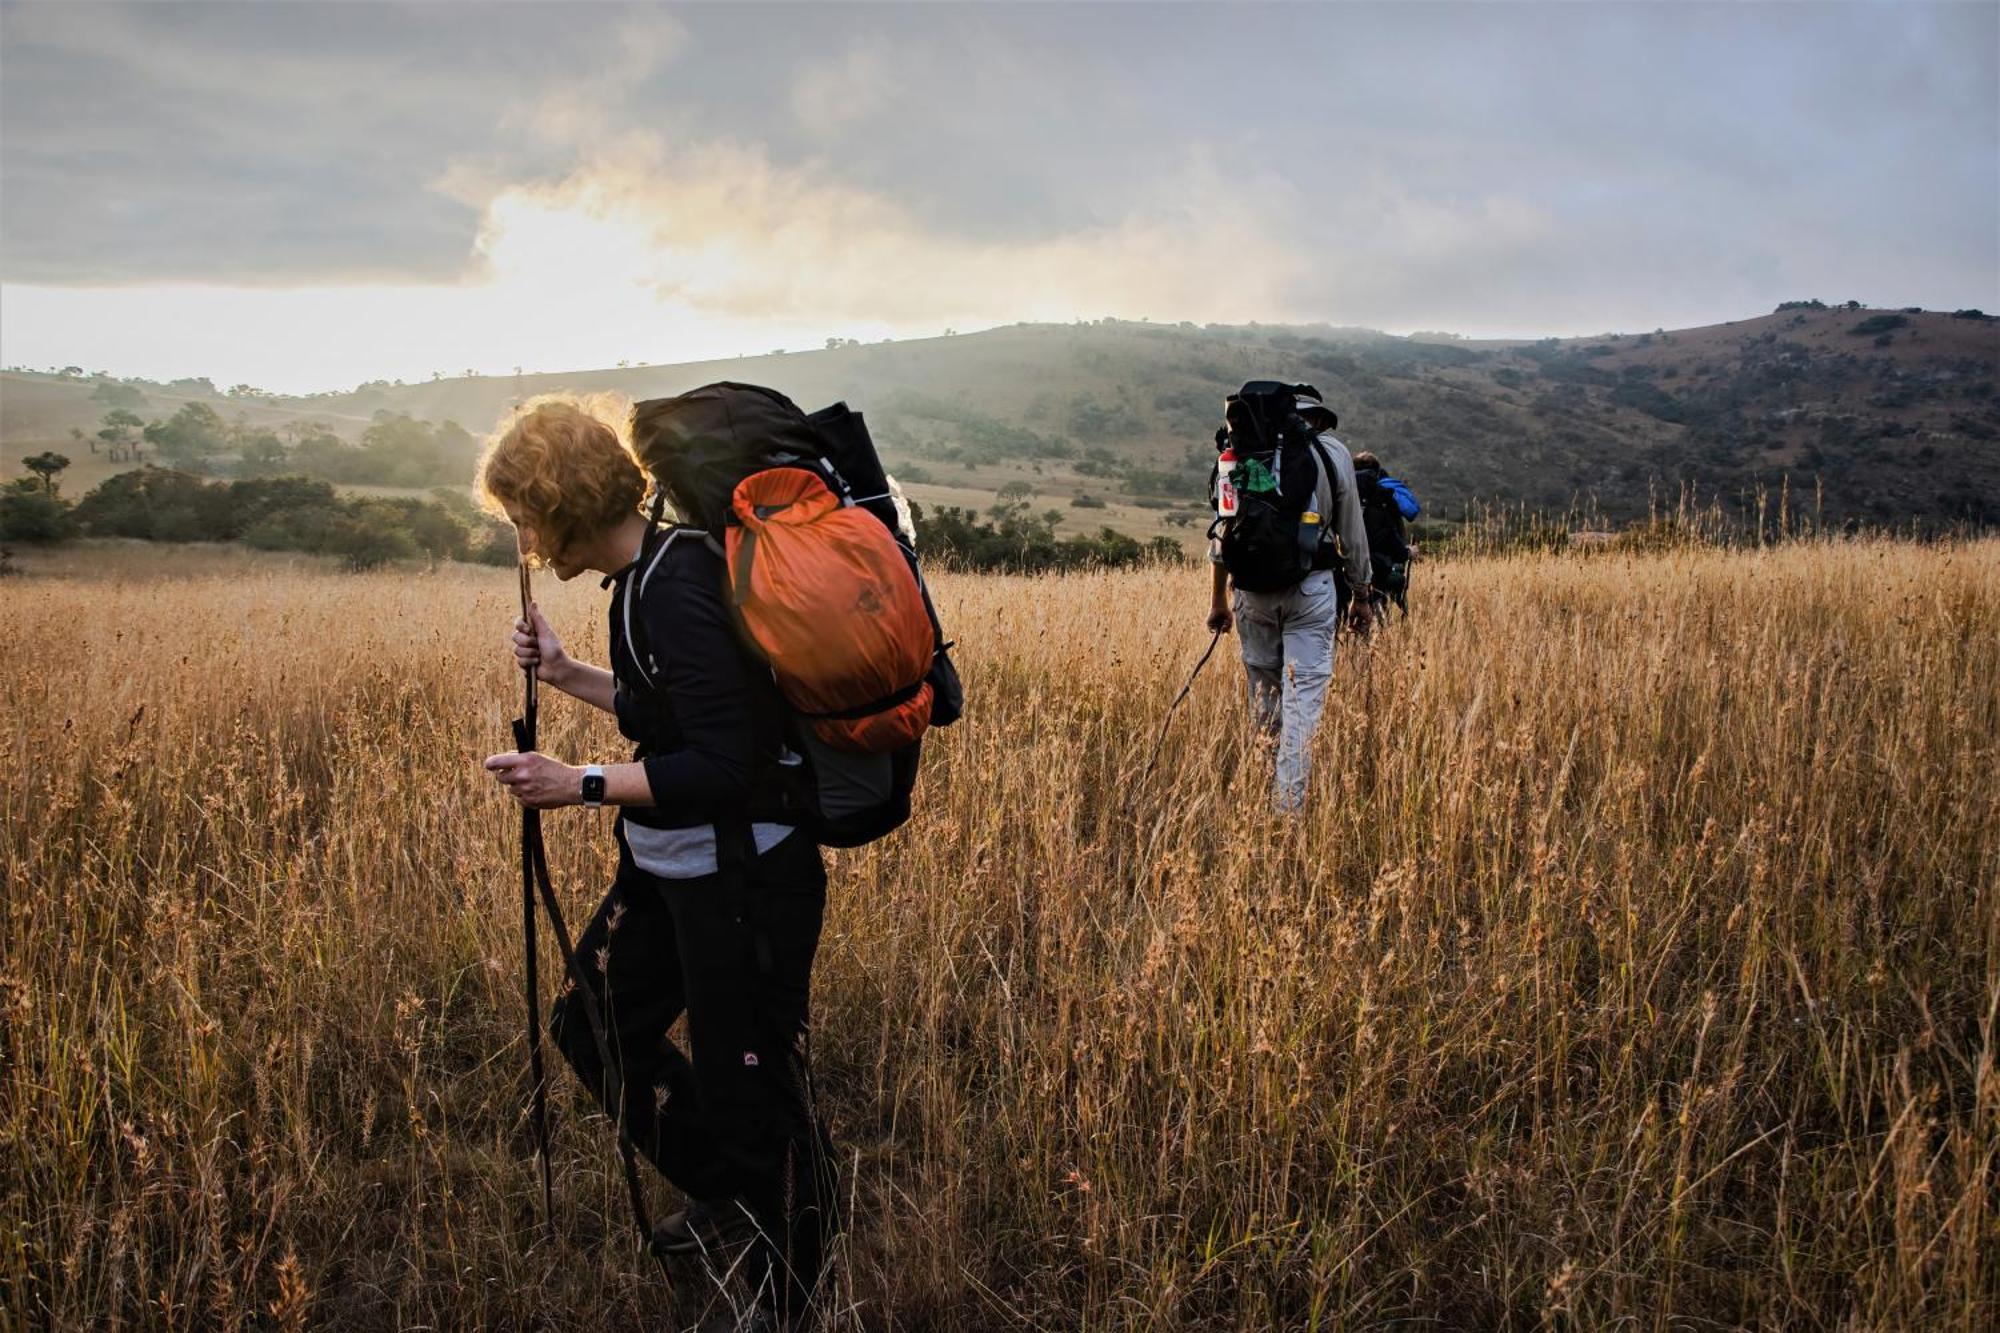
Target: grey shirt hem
[{"x": 689, "y": 853}]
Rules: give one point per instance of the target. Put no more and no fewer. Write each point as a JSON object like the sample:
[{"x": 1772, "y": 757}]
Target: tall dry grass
[{"x": 1636, "y": 964}]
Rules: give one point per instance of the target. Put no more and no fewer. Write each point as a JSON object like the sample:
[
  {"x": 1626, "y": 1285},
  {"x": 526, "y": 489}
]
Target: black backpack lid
[
  {"x": 1273, "y": 402},
  {"x": 722, "y": 415},
  {"x": 699, "y": 444}
]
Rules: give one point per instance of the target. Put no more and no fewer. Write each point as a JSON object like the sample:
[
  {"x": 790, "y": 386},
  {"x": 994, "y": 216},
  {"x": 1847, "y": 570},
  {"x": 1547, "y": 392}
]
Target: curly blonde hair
[{"x": 561, "y": 463}]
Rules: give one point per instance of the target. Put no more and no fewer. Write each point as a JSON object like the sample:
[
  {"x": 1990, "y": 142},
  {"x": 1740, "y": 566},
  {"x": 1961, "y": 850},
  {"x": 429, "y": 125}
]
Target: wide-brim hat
[{"x": 1316, "y": 412}]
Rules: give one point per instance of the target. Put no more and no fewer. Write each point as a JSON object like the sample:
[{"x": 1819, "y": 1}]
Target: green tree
[
  {"x": 152, "y": 503},
  {"x": 46, "y": 466},
  {"x": 30, "y": 514},
  {"x": 121, "y": 431},
  {"x": 263, "y": 455},
  {"x": 370, "y": 537},
  {"x": 116, "y": 394},
  {"x": 190, "y": 435}
]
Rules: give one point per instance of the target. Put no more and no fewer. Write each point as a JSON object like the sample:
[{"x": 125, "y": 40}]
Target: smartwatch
[{"x": 593, "y": 786}]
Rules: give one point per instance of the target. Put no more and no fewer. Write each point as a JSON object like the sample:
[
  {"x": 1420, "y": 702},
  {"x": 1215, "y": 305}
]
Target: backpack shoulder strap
[
  {"x": 635, "y": 589},
  {"x": 1327, "y": 490}
]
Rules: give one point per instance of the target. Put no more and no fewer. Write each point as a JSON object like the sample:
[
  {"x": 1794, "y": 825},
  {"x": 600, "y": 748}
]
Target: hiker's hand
[
  {"x": 1221, "y": 620},
  {"x": 1361, "y": 614},
  {"x": 537, "y": 647},
  {"x": 537, "y": 781}
]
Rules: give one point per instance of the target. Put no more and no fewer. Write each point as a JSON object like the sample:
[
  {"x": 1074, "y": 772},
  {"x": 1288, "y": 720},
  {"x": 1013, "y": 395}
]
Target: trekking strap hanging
[
  {"x": 1131, "y": 798},
  {"x": 1167, "y": 721},
  {"x": 535, "y": 879}
]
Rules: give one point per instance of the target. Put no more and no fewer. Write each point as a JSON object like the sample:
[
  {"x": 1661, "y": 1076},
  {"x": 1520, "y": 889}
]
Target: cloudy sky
[{"x": 304, "y": 196}]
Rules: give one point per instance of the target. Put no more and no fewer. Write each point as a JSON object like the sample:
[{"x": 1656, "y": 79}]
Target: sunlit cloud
[
  {"x": 721, "y": 228},
  {"x": 657, "y": 255}
]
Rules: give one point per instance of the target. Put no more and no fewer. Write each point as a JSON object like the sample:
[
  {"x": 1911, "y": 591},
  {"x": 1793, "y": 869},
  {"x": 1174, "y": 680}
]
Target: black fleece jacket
[{"x": 704, "y": 711}]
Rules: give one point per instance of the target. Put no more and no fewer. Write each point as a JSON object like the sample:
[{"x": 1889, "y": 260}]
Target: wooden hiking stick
[
  {"x": 531, "y": 836},
  {"x": 535, "y": 880}
]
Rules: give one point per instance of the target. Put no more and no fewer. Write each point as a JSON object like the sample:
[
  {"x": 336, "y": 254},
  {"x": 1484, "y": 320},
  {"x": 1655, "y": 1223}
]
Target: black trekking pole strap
[
  {"x": 1152, "y": 762},
  {"x": 1167, "y": 721},
  {"x": 531, "y": 835},
  {"x": 593, "y": 1014}
]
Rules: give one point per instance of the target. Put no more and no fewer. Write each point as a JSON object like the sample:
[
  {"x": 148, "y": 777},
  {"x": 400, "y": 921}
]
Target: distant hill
[{"x": 1894, "y": 414}]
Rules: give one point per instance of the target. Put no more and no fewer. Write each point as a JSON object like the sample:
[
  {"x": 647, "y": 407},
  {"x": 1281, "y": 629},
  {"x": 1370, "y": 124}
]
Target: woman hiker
[{"x": 730, "y": 1121}]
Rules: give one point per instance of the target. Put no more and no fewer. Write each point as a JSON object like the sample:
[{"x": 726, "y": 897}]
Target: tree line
[
  {"x": 294, "y": 513},
  {"x": 1012, "y": 539},
  {"x": 394, "y": 449},
  {"x": 286, "y": 513}
]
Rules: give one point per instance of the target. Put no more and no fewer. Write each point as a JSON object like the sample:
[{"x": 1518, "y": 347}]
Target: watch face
[{"x": 593, "y": 787}]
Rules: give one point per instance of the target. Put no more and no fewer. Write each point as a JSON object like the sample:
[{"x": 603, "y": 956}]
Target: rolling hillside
[{"x": 1894, "y": 414}]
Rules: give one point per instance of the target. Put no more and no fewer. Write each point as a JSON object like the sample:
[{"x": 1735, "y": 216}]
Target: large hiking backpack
[
  {"x": 1388, "y": 539},
  {"x": 824, "y": 587},
  {"x": 1380, "y": 515},
  {"x": 1286, "y": 489}
]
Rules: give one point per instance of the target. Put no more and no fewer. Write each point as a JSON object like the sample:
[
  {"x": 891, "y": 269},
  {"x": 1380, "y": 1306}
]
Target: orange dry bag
[{"x": 830, "y": 600}]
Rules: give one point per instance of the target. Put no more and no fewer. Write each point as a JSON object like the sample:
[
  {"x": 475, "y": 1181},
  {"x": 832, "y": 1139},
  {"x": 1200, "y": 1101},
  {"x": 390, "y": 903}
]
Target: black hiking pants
[{"x": 733, "y": 1117}]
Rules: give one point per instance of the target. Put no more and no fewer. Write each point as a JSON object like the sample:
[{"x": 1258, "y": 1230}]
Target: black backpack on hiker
[
  {"x": 700, "y": 447},
  {"x": 1286, "y": 490},
  {"x": 1388, "y": 540}
]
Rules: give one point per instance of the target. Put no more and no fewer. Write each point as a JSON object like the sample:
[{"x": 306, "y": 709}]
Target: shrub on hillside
[
  {"x": 983, "y": 436},
  {"x": 162, "y": 504},
  {"x": 114, "y": 394},
  {"x": 369, "y": 536},
  {"x": 152, "y": 504},
  {"x": 1015, "y": 541},
  {"x": 28, "y": 513},
  {"x": 1654, "y": 402},
  {"x": 189, "y": 436},
  {"x": 364, "y": 537},
  {"x": 1189, "y": 411},
  {"x": 293, "y": 514},
  {"x": 395, "y": 450},
  {"x": 1091, "y": 420},
  {"x": 1875, "y": 324}
]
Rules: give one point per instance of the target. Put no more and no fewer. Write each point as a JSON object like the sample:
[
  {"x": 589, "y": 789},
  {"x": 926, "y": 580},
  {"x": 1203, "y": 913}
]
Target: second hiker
[
  {"x": 1386, "y": 505},
  {"x": 1287, "y": 513}
]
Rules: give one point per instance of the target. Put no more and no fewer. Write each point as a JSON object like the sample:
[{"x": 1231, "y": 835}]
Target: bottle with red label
[{"x": 1225, "y": 482}]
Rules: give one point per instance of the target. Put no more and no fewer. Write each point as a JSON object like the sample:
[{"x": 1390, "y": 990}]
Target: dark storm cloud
[
  {"x": 262, "y": 145},
  {"x": 1523, "y": 166}
]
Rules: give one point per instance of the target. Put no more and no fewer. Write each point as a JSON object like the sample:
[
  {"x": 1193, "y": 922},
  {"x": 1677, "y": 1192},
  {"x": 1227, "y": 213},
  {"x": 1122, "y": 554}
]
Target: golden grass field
[{"x": 1636, "y": 965}]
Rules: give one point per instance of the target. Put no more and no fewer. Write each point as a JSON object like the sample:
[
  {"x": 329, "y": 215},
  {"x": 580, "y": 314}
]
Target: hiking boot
[{"x": 705, "y": 1228}]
